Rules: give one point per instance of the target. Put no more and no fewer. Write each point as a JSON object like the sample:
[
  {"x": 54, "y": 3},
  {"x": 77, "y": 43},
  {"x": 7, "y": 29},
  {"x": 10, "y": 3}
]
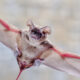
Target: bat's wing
[
  {"x": 62, "y": 61},
  {"x": 9, "y": 27},
  {"x": 8, "y": 35}
]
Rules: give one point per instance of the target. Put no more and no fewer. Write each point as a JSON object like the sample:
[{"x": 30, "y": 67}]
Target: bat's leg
[
  {"x": 66, "y": 55},
  {"x": 23, "y": 66},
  {"x": 7, "y": 26},
  {"x": 19, "y": 74}
]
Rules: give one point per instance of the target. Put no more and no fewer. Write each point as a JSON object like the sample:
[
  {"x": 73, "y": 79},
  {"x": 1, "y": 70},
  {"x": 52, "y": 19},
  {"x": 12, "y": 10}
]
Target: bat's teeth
[{"x": 34, "y": 37}]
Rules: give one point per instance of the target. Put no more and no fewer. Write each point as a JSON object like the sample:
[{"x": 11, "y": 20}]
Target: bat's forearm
[
  {"x": 4, "y": 24},
  {"x": 8, "y": 26},
  {"x": 66, "y": 55}
]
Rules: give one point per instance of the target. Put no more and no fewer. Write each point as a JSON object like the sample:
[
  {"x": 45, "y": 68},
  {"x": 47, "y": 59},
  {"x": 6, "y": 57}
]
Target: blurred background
[{"x": 62, "y": 16}]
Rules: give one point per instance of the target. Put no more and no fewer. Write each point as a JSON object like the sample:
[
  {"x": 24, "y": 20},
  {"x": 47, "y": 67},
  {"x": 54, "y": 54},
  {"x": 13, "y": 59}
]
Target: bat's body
[
  {"x": 27, "y": 50},
  {"x": 30, "y": 46}
]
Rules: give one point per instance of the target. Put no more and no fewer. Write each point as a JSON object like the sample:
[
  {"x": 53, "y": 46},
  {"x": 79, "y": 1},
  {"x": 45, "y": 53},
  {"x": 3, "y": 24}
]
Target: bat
[{"x": 32, "y": 47}]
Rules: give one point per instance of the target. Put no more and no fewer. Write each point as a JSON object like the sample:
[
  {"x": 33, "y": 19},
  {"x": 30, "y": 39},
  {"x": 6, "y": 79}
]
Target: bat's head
[{"x": 37, "y": 34}]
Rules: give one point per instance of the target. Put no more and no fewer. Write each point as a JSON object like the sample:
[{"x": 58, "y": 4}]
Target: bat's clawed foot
[{"x": 38, "y": 62}]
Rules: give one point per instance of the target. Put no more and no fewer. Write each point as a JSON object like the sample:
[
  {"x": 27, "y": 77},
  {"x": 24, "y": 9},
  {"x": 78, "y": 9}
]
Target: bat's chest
[
  {"x": 31, "y": 52},
  {"x": 29, "y": 55}
]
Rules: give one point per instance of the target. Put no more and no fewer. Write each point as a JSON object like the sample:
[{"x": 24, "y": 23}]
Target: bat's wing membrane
[
  {"x": 67, "y": 64},
  {"x": 8, "y": 35}
]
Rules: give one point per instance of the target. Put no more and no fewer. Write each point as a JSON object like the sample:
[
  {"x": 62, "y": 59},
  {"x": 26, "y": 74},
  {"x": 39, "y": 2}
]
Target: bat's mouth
[
  {"x": 34, "y": 37},
  {"x": 36, "y": 34}
]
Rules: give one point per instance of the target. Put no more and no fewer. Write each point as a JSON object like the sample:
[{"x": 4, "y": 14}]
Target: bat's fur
[{"x": 28, "y": 49}]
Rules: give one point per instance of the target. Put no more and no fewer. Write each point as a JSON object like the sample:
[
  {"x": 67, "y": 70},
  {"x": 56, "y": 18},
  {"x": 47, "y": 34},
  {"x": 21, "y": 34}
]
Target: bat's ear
[
  {"x": 30, "y": 24},
  {"x": 46, "y": 30}
]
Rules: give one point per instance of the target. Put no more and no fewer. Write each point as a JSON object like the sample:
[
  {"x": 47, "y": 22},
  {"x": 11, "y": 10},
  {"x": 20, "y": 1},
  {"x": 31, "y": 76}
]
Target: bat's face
[{"x": 35, "y": 35}]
